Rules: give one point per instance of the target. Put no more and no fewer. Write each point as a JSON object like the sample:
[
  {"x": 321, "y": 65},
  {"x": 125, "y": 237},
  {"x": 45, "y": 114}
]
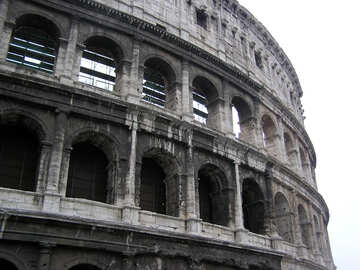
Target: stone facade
[{"x": 179, "y": 188}]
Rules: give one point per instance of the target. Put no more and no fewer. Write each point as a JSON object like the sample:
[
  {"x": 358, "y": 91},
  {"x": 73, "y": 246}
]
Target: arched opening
[
  {"x": 290, "y": 150},
  {"x": 34, "y": 43},
  {"x": 282, "y": 217},
  {"x": 19, "y": 157},
  {"x": 153, "y": 189},
  {"x": 204, "y": 105},
  {"x": 305, "y": 226},
  {"x": 269, "y": 131},
  {"x": 253, "y": 206},
  {"x": 241, "y": 118},
  {"x": 99, "y": 61},
  {"x": 318, "y": 235},
  {"x": 213, "y": 199},
  {"x": 6, "y": 265},
  {"x": 87, "y": 177},
  {"x": 158, "y": 82},
  {"x": 84, "y": 267}
]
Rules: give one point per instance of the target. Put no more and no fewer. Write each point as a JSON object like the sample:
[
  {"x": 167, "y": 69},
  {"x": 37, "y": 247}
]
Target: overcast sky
[{"x": 322, "y": 40}]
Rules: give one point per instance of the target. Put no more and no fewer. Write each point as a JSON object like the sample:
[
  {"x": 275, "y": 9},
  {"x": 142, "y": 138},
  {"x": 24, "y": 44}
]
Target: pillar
[
  {"x": 187, "y": 107},
  {"x": 45, "y": 256},
  {"x": 136, "y": 73},
  {"x": 43, "y": 166},
  {"x": 64, "y": 171},
  {"x": 192, "y": 222},
  {"x": 4, "y": 6},
  {"x": 70, "y": 54},
  {"x": 239, "y": 216},
  {"x": 51, "y": 201},
  {"x": 282, "y": 148},
  {"x": 5, "y": 37},
  {"x": 130, "y": 211}
]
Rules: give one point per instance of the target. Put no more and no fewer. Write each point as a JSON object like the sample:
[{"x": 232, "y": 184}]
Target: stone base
[
  {"x": 193, "y": 225},
  {"x": 130, "y": 214},
  {"x": 51, "y": 202},
  {"x": 241, "y": 235}
]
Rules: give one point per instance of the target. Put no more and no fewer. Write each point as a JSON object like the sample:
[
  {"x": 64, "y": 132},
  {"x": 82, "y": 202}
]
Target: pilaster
[{"x": 5, "y": 37}]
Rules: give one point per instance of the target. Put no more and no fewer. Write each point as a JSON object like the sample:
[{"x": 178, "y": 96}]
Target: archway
[
  {"x": 204, "y": 105},
  {"x": 253, "y": 206},
  {"x": 85, "y": 267},
  {"x": 34, "y": 43},
  {"x": 99, "y": 61},
  {"x": 87, "y": 173},
  {"x": 158, "y": 83},
  {"x": 241, "y": 118},
  {"x": 282, "y": 217},
  {"x": 305, "y": 226},
  {"x": 6, "y": 265},
  {"x": 19, "y": 157},
  {"x": 213, "y": 199}
]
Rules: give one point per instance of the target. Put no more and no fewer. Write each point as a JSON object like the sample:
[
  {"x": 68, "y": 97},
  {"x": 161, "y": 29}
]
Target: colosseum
[{"x": 152, "y": 135}]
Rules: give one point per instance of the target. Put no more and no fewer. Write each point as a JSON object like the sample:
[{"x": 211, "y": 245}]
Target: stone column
[
  {"x": 5, "y": 37},
  {"x": 45, "y": 255},
  {"x": 227, "y": 114},
  {"x": 77, "y": 61},
  {"x": 52, "y": 197},
  {"x": 192, "y": 222},
  {"x": 239, "y": 216},
  {"x": 70, "y": 54},
  {"x": 302, "y": 251},
  {"x": 60, "y": 58},
  {"x": 122, "y": 81},
  {"x": 43, "y": 166},
  {"x": 64, "y": 170},
  {"x": 4, "y": 6},
  {"x": 130, "y": 211},
  {"x": 173, "y": 98},
  {"x": 187, "y": 107},
  {"x": 136, "y": 73},
  {"x": 282, "y": 152}
]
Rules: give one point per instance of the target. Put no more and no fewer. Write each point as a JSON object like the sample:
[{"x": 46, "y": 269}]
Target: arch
[
  {"x": 34, "y": 43},
  {"x": 303, "y": 159},
  {"x": 102, "y": 139},
  {"x": 12, "y": 261},
  {"x": 5, "y": 264},
  {"x": 269, "y": 130},
  {"x": 282, "y": 217},
  {"x": 26, "y": 119},
  {"x": 291, "y": 154},
  {"x": 85, "y": 267},
  {"x": 99, "y": 149},
  {"x": 87, "y": 177},
  {"x": 159, "y": 82},
  {"x": 242, "y": 114},
  {"x": 19, "y": 156},
  {"x": 100, "y": 58},
  {"x": 204, "y": 95},
  {"x": 253, "y": 206},
  {"x": 160, "y": 182},
  {"x": 305, "y": 226},
  {"x": 214, "y": 198}
]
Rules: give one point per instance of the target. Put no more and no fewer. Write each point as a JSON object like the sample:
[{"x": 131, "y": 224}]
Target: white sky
[{"x": 322, "y": 40}]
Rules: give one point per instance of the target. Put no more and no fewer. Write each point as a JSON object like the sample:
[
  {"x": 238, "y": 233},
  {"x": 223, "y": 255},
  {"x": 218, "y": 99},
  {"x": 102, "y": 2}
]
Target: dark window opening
[
  {"x": 258, "y": 60},
  {"x": 201, "y": 18},
  {"x": 32, "y": 47},
  {"x": 253, "y": 207},
  {"x": 87, "y": 173},
  {"x": 200, "y": 106},
  {"x": 154, "y": 87},
  {"x": 6, "y": 265},
  {"x": 98, "y": 69},
  {"x": 213, "y": 202},
  {"x": 19, "y": 158},
  {"x": 153, "y": 189},
  {"x": 84, "y": 267}
]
